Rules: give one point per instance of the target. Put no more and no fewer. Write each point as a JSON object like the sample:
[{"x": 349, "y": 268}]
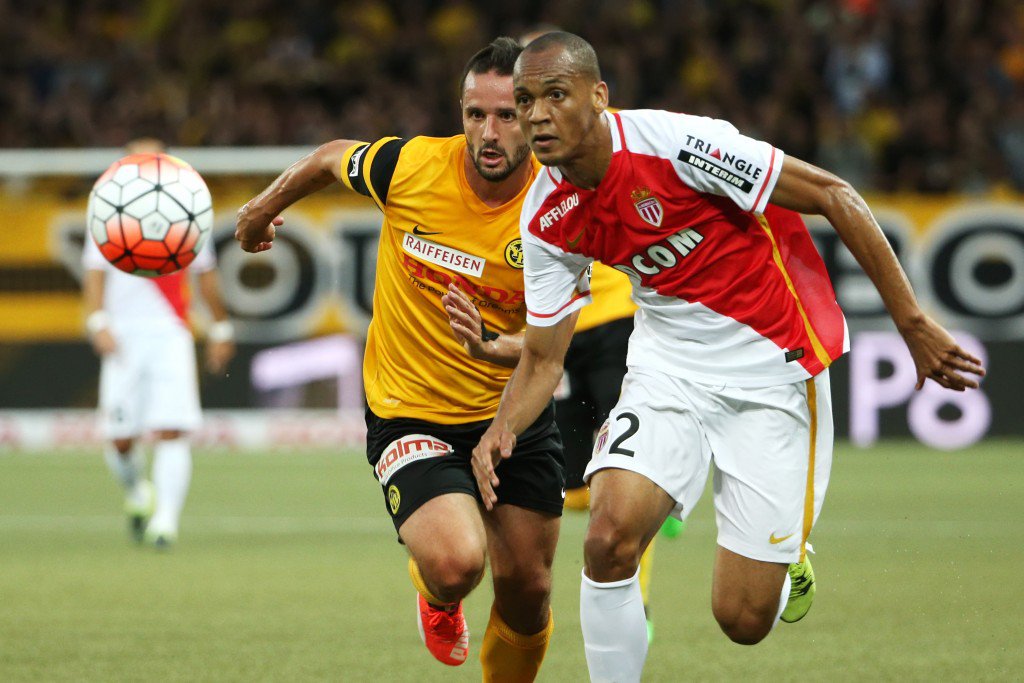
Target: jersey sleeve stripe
[
  {"x": 382, "y": 167},
  {"x": 352, "y": 177},
  {"x": 367, "y": 165},
  {"x": 582, "y": 298},
  {"x": 819, "y": 348},
  {"x": 767, "y": 181}
]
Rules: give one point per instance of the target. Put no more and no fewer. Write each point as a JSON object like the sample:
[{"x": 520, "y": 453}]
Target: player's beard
[{"x": 496, "y": 175}]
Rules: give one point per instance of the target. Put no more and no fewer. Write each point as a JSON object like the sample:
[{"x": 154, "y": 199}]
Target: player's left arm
[
  {"x": 811, "y": 190},
  {"x": 220, "y": 338},
  {"x": 470, "y": 330}
]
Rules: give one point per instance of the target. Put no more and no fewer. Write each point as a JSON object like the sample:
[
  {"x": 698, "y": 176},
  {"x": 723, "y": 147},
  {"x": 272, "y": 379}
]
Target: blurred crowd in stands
[{"x": 914, "y": 95}]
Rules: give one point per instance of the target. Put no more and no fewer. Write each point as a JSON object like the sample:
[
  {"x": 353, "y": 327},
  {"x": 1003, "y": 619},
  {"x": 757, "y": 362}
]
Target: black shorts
[
  {"x": 594, "y": 367},
  {"x": 415, "y": 461}
]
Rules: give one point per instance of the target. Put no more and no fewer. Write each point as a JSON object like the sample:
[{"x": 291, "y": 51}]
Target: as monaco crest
[{"x": 648, "y": 206}]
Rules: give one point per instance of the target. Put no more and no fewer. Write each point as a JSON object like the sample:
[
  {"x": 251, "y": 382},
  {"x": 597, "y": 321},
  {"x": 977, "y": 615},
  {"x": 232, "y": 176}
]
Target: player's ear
[{"x": 600, "y": 96}]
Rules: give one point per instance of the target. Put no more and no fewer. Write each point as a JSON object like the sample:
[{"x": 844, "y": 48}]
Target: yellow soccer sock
[
  {"x": 646, "y": 565},
  {"x": 510, "y": 657},
  {"x": 578, "y": 498},
  {"x": 420, "y": 585}
]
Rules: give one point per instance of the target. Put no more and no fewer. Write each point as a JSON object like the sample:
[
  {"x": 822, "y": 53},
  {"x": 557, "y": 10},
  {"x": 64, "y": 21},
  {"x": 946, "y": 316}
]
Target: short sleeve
[
  {"x": 367, "y": 168},
  {"x": 557, "y": 283},
  {"x": 714, "y": 157}
]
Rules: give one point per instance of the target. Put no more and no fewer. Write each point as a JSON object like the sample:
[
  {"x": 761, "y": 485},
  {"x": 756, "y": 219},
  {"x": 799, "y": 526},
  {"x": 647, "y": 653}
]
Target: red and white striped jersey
[
  {"x": 145, "y": 305},
  {"x": 731, "y": 289}
]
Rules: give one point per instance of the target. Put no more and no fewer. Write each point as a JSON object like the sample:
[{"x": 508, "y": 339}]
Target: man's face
[
  {"x": 556, "y": 105},
  {"x": 496, "y": 143}
]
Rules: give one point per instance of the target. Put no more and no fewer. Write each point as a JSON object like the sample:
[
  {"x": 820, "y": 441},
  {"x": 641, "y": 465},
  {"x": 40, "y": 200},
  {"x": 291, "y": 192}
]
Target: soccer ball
[{"x": 150, "y": 214}]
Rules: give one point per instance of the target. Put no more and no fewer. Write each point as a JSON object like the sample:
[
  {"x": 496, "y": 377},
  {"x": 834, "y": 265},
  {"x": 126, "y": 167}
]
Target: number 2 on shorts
[{"x": 634, "y": 425}]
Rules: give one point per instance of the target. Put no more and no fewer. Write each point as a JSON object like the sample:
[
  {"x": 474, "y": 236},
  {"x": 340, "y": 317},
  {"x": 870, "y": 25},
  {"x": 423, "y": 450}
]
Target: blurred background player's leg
[
  {"x": 120, "y": 418},
  {"x": 172, "y": 411},
  {"x": 127, "y": 462},
  {"x": 172, "y": 474}
]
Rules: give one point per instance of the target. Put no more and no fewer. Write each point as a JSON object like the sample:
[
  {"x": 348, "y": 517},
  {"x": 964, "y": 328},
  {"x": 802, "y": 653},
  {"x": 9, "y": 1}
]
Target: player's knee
[
  {"x": 610, "y": 551},
  {"x": 123, "y": 446},
  {"x": 743, "y": 624},
  {"x": 451, "y": 576},
  {"x": 169, "y": 434}
]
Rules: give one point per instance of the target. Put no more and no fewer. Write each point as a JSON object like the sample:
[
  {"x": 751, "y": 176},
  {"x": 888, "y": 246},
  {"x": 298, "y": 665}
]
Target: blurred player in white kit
[{"x": 148, "y": 384}]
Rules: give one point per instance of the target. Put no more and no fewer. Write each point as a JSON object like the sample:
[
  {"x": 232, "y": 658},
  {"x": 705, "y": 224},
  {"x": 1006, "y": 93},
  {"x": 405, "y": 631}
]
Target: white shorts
[
  {"x": 771, "y": 449},
  {"x": 149, "y": 383}
]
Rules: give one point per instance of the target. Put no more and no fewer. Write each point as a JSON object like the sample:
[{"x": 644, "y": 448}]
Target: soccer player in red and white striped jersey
[{"x": 738, "y": 324}]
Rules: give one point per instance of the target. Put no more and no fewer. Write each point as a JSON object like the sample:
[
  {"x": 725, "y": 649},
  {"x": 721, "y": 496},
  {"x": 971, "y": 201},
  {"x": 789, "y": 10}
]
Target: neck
[
  {"x": 495, "y": 194},
  {"x": 593, "y": 157}
]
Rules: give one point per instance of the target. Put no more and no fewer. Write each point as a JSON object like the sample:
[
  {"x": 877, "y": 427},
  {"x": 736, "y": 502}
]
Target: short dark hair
[
  {"x": 580, "y": 52},
  {"x": 500, "y": 57}
]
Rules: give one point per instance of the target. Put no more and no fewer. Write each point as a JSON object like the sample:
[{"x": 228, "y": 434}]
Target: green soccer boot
[{"x": 801, "y": 591}]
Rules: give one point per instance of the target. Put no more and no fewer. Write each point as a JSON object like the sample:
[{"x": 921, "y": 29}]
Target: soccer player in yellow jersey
[{"x": 451, "y": 229}]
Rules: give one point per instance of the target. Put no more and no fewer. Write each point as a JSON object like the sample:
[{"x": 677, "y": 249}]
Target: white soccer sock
[
  {"x": 614, "y": 629},
  {"x": 172, "y": 472},
  {"x": 783, "y": 599},
  {"x": 126, "y": 468}
]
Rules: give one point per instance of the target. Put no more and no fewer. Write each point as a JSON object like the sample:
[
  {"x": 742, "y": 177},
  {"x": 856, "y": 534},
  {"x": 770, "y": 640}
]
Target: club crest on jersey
[
  {"x": 514, "y": 253},
  {"x": 648, "y": 206}
]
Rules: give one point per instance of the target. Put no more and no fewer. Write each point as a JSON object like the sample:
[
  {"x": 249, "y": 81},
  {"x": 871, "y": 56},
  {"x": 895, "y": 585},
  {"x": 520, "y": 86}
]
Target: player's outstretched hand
[
  {"x": 253, "y": 232},
  {"x": 938, "y": 357},
  {"x": 464, "y": 320},
  {"x": 495, "y": 445}
]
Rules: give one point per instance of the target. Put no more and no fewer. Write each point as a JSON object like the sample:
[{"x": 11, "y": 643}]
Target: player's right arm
[{"x": 258, "y": 218}]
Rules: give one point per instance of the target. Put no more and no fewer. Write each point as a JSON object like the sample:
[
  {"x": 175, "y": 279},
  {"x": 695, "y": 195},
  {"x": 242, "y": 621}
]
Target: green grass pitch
[{"x": 287, "y": 570}]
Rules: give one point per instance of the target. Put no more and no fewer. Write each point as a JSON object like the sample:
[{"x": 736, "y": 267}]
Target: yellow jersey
[{"x": 435, "y": 231}]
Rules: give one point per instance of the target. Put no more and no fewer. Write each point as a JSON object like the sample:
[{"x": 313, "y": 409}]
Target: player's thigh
[
  {"x": 655, "y": 431},
  {"x": 120, "y": 392},
  {"x": 773, "y": 456},
  {"x": 416, "y": 461},
  {"x": 626, "y": 510},
  {"x": 170, "y": 382},
  {"x": 446, "y": 530}
]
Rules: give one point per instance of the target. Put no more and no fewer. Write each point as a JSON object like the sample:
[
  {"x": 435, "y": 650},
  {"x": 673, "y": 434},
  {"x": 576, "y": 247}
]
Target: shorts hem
[
  {"x": 624, "y": 462},
  {"x": 399, "y": 520},
  {"x": 779, "y": 556},
  {"x": 535, "y": 505}
]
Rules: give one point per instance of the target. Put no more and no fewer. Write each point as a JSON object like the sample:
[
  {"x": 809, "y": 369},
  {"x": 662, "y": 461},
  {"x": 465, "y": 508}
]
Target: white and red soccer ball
[{"x": 150, "y": 214}]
